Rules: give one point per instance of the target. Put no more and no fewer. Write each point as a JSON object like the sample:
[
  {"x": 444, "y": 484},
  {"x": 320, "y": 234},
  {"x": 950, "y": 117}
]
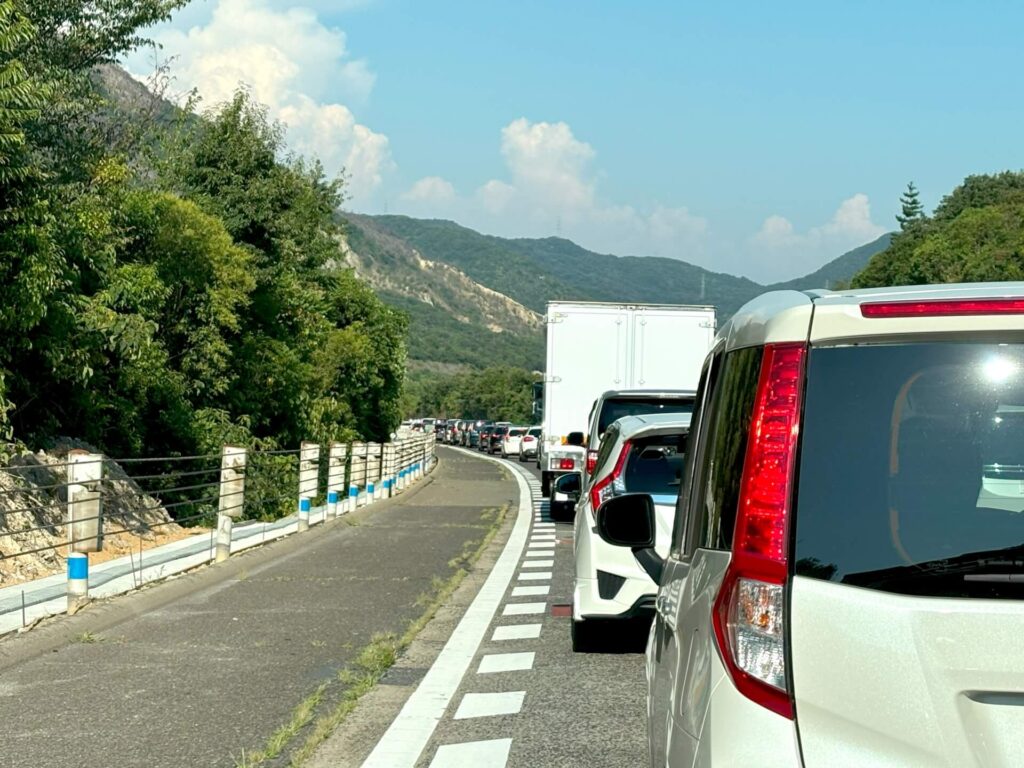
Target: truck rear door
[
  {"x": 668, "y": 347},
  {"x": 587, "y": 348}
]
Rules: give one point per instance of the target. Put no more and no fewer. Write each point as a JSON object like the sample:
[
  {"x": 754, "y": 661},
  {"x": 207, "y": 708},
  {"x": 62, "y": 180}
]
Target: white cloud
[
  {"x": 294, "y": 64},
  {"x": 431, "y": 189},
  {"x": 778, "y": 249}
]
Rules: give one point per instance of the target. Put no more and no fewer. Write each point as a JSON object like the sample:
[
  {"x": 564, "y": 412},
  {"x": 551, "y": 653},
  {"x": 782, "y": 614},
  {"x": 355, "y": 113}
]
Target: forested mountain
[{"x": 478, "y": 299}]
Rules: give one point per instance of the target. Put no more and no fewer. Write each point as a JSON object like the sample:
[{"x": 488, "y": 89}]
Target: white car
[
  {"x": 639, "y": 454},
  {"x": 839, "y": 590},
  {"x": 530, "y": 443},
  {"x": 511, "y": 440}
]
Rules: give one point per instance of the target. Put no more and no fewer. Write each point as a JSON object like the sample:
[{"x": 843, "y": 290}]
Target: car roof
[
  {"x": 652, "y": 423},
  {"x": 646, "y": 393},
  {"x": 781, "y": 316}
]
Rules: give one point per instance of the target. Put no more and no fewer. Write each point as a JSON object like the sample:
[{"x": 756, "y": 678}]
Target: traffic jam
[{"x": 816, "y": 510}]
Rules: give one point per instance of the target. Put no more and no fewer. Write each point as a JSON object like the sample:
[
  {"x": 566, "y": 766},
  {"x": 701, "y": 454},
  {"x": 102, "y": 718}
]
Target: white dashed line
[
  {"x": 490, "y": 704},
  {"x": 516, "y": 632},
  {"x": 538, "y": 553},
  {"x": 505, "y": 662},
  {"x": 539, "y": 576},
  {"x": 483, "y": 753},
  {"x": 523, "y": 609},
  {"x": 538, "y": 564}
]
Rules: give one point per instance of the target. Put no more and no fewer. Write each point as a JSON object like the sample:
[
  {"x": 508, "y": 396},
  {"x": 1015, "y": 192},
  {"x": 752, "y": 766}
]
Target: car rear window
[
  {"x": 655, "y": 466},
  {"x": 535, "y": 432},
  {"x": 910, "y": 469},
  {"x": 516, "y": 432},
  {"x": 614, "y": 409}
]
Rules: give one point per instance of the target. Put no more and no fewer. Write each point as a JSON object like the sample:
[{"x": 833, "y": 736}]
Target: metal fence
[{"x": 51, "y": 511}]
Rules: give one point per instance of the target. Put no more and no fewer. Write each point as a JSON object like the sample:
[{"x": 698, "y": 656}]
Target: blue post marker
[
  {"x": 332, "y": 503},
  {"x": 369, "y": 492},
  {"x": 353, "y": 496},
  {"x": 304, "y": 506},
  {"x": 78, "y": 580}
]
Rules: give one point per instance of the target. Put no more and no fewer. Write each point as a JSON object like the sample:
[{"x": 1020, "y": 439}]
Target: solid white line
[
  {"x": 409, "y": 733},
  {"x": 516, "y": 632},
  {"x": 538, "y": 564},
  {"x": 492, "y": 753},
  {"x": 505, "y": 662},
  {"x": 490, "y": 704},
  {"x": 531, "y": 591},
  {"x": 523, "y": 609}
]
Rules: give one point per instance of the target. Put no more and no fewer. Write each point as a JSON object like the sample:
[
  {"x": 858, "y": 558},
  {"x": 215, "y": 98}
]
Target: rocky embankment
[{"x": 33, "y": 510}]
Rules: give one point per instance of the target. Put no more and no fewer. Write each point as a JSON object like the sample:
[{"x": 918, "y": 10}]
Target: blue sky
[{"x": 755, "y": 138}]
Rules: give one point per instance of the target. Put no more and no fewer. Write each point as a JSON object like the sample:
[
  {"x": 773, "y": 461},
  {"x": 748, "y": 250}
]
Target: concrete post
[
  {"x": 78, "y": 580},
  {"x": 232, "y": 497},
  {"x": 85, "y": 507},
  {"x": 309, "y": 456},
  {"x": 336, "y": 478},
  {"x": 360, "y": 473},
  {"x": 389, "y": 470},
  {"x": 372, "y": 472}
]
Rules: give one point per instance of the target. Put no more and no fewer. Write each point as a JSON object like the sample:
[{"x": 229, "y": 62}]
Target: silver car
[{"x": 840, "y": 589}]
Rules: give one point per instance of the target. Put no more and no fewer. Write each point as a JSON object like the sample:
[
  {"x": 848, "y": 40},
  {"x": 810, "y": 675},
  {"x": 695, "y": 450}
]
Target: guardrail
[{"x": 67, "y": 510}]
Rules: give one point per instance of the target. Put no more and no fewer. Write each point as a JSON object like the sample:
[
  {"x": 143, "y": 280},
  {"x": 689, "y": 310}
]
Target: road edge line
[{"x": 410, "y": 732}]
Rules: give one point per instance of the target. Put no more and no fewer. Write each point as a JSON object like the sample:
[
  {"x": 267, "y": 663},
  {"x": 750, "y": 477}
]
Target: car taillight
[
  {"x": 749, "y": 614},
  {"x": 591, "y": 461},
  {"x": 605, "y": 488},
  {"x": 567, "y": 464},
  {"x": 938, "y": 307}
]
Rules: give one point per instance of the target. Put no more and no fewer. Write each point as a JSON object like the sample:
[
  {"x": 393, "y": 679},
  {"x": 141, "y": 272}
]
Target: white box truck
[{"x": 595, "y": 347}]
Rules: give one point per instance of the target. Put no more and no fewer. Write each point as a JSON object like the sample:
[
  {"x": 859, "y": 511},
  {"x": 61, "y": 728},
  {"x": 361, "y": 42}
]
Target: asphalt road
[
  {"x": 557, "y": 708},
  {"x": 194, "y": 671}
]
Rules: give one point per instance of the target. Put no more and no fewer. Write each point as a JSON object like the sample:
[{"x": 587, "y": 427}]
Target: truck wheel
[{"x": 545, "y": 484}]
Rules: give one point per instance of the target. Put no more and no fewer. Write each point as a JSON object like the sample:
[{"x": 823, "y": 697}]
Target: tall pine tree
[{"x": 912, "y": 208}]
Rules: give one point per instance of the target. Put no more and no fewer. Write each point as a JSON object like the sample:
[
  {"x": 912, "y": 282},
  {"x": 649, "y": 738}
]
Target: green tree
[{"x": 910, "y": 205}]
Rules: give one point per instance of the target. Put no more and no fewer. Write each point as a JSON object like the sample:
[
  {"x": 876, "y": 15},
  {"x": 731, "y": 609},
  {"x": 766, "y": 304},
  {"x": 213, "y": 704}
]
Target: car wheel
[{"x": 583, "y": 636}]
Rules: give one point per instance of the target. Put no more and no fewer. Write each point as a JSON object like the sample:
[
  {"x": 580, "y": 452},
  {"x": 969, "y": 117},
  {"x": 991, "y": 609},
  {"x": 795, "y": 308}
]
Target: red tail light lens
[
  {"x": 591, "y": 461},
  {"x": 604, "y": 488},
  {"x": 567, "y": 464},
  {"x": 749, "y": 612},
  {"x": 937, "y": 307}
]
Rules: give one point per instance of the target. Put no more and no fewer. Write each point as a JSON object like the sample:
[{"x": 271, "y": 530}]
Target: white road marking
[
  {"x": 505, "y": 662},
  {"x": 538, "y": 553},
  {"x": 516, "y": 632},
  {"x": 490, "y": 704},
  {"x": 523, "y": 609},
  {"x": 530, "y": 591},
  {"x": 492, "y": 753},
  {"x": 540, "y": 576},
  {"x": 407, "y": 736},
  {"x": 538, "y": 564}
]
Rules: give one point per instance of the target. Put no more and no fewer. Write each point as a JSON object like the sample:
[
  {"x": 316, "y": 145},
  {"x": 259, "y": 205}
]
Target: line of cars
[
  {"x": 834, "y": 544},
  {"x": 496, "y": 437}
]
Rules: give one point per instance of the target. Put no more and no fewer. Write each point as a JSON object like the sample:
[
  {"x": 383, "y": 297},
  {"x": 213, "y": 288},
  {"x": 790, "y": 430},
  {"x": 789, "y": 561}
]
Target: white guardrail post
[
  {"x": 309, "y": 455},
  {"x": 372, "y": 472},
  {"x": 359, "y": 472},
  {"x": 85, "y": 522},
  {"x": 232, "y": 497},
  {"x": 389, "y": 470},
  {"x": 336, "y": 489}
]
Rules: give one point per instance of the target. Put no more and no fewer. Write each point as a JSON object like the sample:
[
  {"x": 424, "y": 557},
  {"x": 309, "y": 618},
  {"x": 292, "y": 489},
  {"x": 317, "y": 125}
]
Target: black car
[{"x": 497, "y": 434}]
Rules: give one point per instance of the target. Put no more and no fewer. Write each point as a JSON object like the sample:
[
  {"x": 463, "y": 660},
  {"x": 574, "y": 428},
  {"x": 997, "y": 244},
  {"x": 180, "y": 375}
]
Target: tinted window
[
  {"x": 614, "y": 409},
  {"x": 717, "y": 476},
  {"x": 535, "y": 432},
  {"x": 698, "y": 429},
  {"x": 605, "y": 452},
  {"x": 901, "y": 484},
  {"x": 516, "y": 432},
  {"x": 655, "y": 466}
]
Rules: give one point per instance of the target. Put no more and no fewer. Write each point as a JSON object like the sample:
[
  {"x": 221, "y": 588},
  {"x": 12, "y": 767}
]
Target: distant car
[
  {"x": 529, "y": 444},
  {"x": 510, "y": 443},
  {"x": 484, "y": 440},
  {"x": 639, "y": 454},
  {"x": 613, "y": 405},
  {"x": 498, "y": 432}
]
